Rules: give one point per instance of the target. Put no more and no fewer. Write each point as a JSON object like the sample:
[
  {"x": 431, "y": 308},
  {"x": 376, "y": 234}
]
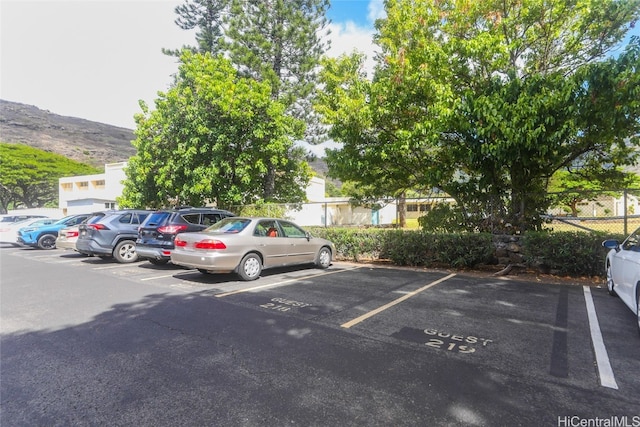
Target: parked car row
[{"x": 210, "y": 240}]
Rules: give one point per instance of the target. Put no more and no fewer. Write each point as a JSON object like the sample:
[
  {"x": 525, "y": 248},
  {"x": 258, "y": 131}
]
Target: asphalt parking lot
[{"x": 351, "y": 345}]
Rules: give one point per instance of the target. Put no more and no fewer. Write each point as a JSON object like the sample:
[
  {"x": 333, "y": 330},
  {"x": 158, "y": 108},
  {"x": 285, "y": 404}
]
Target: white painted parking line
[
  {"x": 602, "y": 357},
  {"x": 394, "y": 302},
  {"x": 167, "y": 275},
  {"x": 270, "y": 285},
  {"x": 111, "y": 267}
]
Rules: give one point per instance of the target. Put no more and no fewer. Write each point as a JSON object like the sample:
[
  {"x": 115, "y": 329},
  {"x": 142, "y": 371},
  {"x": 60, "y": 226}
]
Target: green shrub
[
  {"x": 563, "y": 253},
  {"x": 566, "y": 253}
]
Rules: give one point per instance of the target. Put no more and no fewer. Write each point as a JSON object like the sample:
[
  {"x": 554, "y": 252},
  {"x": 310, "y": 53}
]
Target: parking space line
[
  {"x": 270, "y": 285},
  {"x": 111, "y": 267},
  {"x": 394, "y": 302},
  {"x": 607, "y": 378},
  {"x": 144, "y": 279}
]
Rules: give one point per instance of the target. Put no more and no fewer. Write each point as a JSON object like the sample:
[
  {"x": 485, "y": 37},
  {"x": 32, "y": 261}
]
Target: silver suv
[{"x": 114, "y": 235}]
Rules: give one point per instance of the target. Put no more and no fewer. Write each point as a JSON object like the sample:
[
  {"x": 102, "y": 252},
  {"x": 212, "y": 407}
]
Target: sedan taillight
[
  {"x": 71, "y": 233},
  {"x": 180, "y": 243},
  {"x": 210, "y": 244}
]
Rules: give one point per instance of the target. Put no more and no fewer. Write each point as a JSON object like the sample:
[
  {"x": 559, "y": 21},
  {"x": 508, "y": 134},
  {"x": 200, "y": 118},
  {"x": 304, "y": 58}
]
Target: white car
[
  {"x": 9, "y": 230},
  {"x": 623, "y": 270}
]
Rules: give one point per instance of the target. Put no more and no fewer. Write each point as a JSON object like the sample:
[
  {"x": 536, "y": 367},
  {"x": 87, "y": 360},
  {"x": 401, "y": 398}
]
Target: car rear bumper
[
  {"x": 91, "y": 247},
  {"x": 150, "y": 252},
  {"x": 205, "y": 261}
]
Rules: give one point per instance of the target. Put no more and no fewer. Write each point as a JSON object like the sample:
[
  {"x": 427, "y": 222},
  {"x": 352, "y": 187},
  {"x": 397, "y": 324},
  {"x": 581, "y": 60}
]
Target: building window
[
  {"x": 98, "y": 184},
  {"x": 83, "y": 185},
  {"x": 67, "y": 186},
  {"x": 110, "y": 205}
]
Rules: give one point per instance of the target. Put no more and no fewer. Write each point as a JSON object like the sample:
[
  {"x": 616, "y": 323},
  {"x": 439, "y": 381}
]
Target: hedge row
[{"x": 563, "y": 253}]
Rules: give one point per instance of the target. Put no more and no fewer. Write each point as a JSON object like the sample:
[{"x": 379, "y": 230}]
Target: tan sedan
[{"x": 249, "y": 245}]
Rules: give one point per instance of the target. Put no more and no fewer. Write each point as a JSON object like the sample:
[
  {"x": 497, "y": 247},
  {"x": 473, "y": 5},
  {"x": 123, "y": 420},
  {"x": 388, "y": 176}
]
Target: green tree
[
  {"x": 29, "y": 176},
  {"x": 486, "y": 101},
  {"x": 210, "y": 139},
  {"x": 207, "y": 18},
  {"x": 275, "y": 41},
  {"x": 571, "y": 186}
]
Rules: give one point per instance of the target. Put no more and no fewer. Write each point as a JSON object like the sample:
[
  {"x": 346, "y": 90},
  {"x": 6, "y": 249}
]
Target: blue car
[{"x": 44, "y": 237}]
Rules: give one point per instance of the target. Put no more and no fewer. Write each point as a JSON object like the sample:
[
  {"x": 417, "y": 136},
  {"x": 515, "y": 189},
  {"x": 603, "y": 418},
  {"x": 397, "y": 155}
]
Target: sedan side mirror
[
  {"x": 307, "y": 235},
  {"x": 611, "y": 244}
]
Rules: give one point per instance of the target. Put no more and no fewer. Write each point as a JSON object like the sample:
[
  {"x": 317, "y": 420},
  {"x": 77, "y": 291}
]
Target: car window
[
  {"x": 76, "y": 220},
  {"x": 139, "y": 218},
  {"x": 157, "y": 218},
  {"x": 229, "y": 225},
  {"x": 633, "y": 242},
  {"x": 266, "y": 228},
  {"x": 193, "y": 218},
  {"x": 210, "y": 218},
  {"x": 292, "y": 230},
  {"x": 126, "y": 218}
]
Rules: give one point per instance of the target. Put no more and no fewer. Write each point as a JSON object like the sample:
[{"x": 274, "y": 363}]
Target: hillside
[
  {"x": 77, "y": 139},
  {"x": 82, "y": 140}
]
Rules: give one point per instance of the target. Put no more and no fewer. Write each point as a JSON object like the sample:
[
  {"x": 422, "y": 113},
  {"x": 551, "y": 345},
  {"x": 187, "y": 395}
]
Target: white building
[{"x": 89, "y": 193}]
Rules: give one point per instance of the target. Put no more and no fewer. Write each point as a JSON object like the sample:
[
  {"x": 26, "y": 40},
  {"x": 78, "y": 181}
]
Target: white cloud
[
  {"x": 376, "y": 10},
  {"x": 348, "y": 37}
]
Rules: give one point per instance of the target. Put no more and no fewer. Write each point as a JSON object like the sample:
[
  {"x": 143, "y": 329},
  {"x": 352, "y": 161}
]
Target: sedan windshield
[{"x": 229, "y": 225}]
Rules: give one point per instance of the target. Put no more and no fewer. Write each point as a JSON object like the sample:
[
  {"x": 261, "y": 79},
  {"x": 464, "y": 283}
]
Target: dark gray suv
[
  {"x": 157, "y": 233},
  {"x": 114, "y": 235}
]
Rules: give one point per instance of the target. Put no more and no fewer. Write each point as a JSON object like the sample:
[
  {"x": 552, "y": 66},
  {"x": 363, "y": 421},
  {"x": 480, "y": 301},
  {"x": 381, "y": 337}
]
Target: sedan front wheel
[
  {"x": 324, "y": 258},
  {"x": 610, "y": 284}
]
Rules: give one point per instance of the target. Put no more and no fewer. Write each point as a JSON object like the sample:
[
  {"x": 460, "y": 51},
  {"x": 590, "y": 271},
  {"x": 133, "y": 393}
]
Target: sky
[{"x": 95, "y": 59}]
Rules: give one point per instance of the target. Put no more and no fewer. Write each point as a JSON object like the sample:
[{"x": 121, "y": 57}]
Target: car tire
[
  {"x": 610, "y": 284},
  {"x": 158, "y": 261},
  {"x": 203, "y": 271},
  {"x": 323, "y": 260},
  {"x": 125, "y": 252},
  {"x": 47, "y": 241},
  {"x": 638, "y": 305},
  {"x": 250, "y": 267}
]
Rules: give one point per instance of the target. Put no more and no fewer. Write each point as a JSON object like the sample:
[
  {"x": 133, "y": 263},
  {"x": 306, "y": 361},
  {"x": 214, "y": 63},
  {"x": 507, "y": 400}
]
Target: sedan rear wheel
[
  {"x": 324, "y": 258},
  {"x": 250, "y": 267},
  {"x": 47, "y": 241},
  {"x": 610, "y": 284},
  {"x": 125, "y": 252}
]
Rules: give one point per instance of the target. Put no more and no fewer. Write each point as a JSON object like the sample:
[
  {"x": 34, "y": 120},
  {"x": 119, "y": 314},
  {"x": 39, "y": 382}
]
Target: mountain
[{"x": 78, "y": 139}]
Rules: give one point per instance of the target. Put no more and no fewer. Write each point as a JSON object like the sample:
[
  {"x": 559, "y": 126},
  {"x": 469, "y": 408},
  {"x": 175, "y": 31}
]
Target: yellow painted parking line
[
  {"x": 394, "y": 302},
  {"x": 297, "y": 279}
]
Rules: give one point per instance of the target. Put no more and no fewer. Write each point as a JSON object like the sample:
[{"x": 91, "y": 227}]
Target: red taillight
[
  {"x": 180, "y": 243},
  {"x": 72, "y": 233},
  {"x": 172, "y": 229},
  {"x": 98, "y": 226},
  {"x": 210, "y": 244}
]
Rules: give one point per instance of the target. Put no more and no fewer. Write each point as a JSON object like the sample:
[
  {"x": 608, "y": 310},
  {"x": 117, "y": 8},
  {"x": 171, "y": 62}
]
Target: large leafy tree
[
  {"x": 486, "y": 101},
  {"x": 274, "y": 41},
  {"x": 279, "y": 41},
  {"x": 210, "y": 139},
  {"x": 29, "y": 176}
]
